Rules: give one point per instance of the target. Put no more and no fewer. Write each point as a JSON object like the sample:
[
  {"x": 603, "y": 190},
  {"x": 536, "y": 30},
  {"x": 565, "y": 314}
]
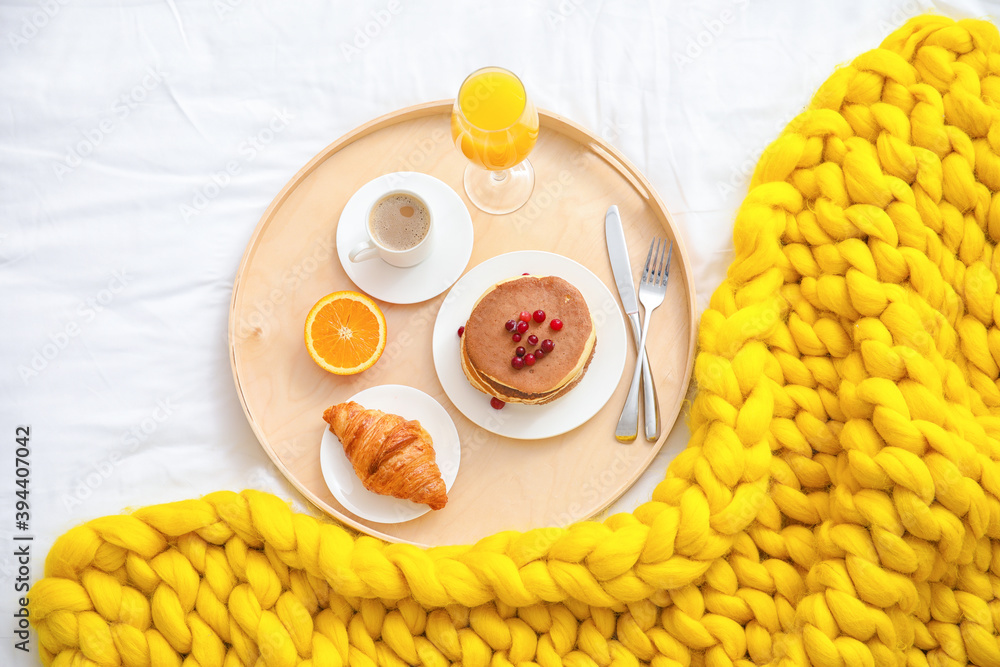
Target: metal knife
[{"x": 622, "y": 270}]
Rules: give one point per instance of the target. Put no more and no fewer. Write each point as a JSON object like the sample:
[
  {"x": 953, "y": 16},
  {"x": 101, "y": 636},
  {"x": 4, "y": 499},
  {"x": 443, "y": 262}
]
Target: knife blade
[{"x": 621, "y": 268}]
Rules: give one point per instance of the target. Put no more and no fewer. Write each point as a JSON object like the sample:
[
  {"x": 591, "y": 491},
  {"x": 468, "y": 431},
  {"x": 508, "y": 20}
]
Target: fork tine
[
  {"x": 666, "y": 269},
  {"x": 645, "y": 269},
  {"x": 657, "y": 256},
  {"x": 659, "y": 272},
  {"x": 661, "y": 249}
]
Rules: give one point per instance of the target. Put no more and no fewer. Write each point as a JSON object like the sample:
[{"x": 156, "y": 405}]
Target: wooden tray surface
[{"x": 291, "y": 262}]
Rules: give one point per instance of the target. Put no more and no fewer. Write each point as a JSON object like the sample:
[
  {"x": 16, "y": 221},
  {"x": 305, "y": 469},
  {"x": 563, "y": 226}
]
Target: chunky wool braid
[{"x": 837, "y": 504}]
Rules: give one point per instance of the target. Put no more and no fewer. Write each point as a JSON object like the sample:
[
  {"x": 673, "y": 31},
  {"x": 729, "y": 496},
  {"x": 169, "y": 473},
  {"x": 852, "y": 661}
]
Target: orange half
[{"x": 345, "y": 333}]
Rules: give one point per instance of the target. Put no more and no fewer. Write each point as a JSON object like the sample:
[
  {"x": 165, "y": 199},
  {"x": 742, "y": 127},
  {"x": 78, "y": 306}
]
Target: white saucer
[
  {"x": 531, "y": 422},
  {"x": 452, "y": 238},
  {"x": 406, "y": 402}
]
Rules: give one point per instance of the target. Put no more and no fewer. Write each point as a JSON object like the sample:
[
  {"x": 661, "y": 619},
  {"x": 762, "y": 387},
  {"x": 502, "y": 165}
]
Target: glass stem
[{"x": 499, "y": 176}]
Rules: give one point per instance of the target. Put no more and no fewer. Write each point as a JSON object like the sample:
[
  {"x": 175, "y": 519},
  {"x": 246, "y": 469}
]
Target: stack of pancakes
[{"x": 487, "y": 347}]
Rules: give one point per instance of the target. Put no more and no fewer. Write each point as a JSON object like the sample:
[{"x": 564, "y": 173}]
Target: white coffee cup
[{"x": 401, "y": 254}]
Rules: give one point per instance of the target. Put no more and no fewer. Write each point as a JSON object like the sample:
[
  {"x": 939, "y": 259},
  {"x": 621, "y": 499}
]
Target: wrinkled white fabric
[{"x": 141, "y": 141}]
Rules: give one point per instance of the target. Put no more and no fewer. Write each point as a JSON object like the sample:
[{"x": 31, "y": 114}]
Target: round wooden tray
[{"x": 291, "y": 262}]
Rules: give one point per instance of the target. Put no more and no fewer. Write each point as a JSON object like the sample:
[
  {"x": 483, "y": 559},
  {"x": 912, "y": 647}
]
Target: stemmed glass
[{"x": 495, "y": 126}]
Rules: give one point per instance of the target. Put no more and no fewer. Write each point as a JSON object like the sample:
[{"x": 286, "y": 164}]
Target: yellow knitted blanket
[{"x": 837, "y": 503}]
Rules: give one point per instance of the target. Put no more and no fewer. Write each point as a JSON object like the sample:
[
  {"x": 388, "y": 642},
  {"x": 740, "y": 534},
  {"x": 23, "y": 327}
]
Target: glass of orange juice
[{"x": 495, "y": 126}]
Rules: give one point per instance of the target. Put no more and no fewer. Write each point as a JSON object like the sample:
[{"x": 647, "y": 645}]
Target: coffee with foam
[{"x": 399, "y": 221}]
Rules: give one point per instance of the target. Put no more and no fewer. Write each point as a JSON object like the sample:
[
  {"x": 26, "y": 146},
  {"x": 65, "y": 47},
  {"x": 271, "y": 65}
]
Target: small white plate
[
  {"x": 531, "y": 422},
  {"x": 452, "y": 237},
  {"x": 406, "y": 402}
]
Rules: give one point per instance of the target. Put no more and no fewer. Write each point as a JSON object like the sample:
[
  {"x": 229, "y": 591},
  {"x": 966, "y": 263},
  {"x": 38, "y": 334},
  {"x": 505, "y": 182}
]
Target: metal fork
[{"x": 652, "y": 288}]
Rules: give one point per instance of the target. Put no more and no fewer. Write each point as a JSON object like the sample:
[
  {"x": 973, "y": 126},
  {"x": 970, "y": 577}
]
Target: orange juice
[{"x": 494, "y": 123}]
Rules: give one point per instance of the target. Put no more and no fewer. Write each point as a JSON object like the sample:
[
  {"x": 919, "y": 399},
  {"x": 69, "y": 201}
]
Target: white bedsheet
[{"x": 120, "y": 230}]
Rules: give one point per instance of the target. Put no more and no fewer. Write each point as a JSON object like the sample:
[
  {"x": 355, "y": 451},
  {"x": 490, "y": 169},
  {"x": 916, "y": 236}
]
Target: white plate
[
  {"x": 452, "y": 238},
  {"x": 531, "y": 422},
  {"x": 406, "y": 402}
]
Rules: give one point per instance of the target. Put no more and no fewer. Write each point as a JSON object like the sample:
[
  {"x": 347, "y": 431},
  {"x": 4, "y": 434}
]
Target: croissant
[{"x": 391, "y": 455}]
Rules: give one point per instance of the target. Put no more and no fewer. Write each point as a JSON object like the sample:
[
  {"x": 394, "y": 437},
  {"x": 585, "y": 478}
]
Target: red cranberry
[
  {"x": 520, "y": 351},
  {"x": 556, "y": 324},
  {"x": 529, "y": 359},
  {"x": 509, "y": 326},
  {"x": 516, "y": 338},
  {"x": 532, "y": 339},
  {"x": 538, "y": 354},
  {"x": 461, "y": 330},
  {"x": 539, "y": 316},
  {"x": 525, "y": 274},
  {"x": 525, "y": 316},
  {"x": 517, "y": 363},
  {"x": 496, "y": 403},
  {"x": 522, "y": 326},
  {"x": 548, "y": 345}
]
